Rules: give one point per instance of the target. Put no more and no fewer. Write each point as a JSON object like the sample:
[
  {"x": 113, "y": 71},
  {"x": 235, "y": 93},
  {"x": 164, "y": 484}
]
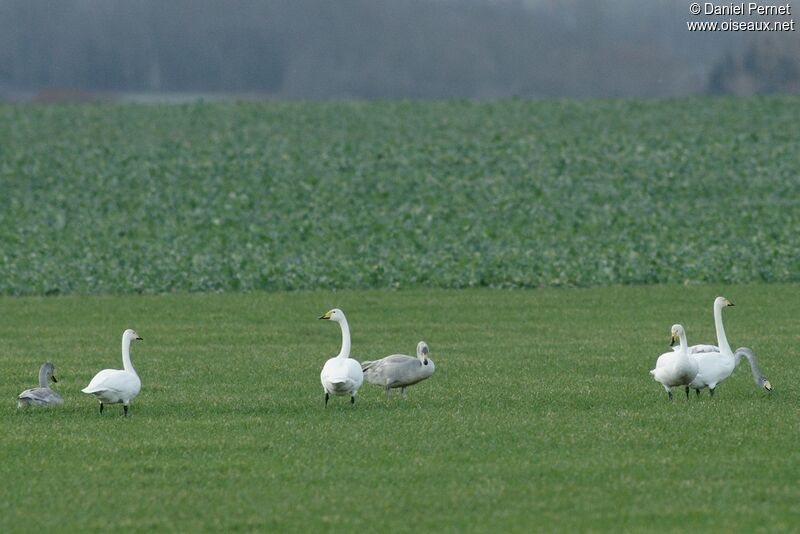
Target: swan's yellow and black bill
[
  {"x": 729, "y": 303},
  {"x": 767, "y": 385},
  {"x": 53, "y": 378},
  {"x": 673, "y": 339},
  {"x": 327, "y": 315},
  {"x": 140, "y": 338}
]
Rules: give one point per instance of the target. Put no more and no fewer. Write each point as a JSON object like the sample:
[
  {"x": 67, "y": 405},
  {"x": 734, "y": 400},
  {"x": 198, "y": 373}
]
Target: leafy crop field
[
  {"x": 126, "y": 198},
  {"x": 541, "y": 414}
]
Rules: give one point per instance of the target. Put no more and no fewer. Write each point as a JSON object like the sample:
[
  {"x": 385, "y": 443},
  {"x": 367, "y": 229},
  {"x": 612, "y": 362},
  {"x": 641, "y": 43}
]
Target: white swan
[
  {"x": 341, "y": 375},
  {"x": 112, "y": 386},
  {"x": 399, "y": 370},
  {"x": 43, "y": 395},
  {"x": 745, "y": 352},
  {"x": 714, "y": 367},
  {"x": 675, "y": 368}
]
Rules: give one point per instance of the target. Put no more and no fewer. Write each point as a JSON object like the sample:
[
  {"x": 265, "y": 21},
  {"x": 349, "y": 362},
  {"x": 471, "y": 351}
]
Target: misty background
[{"x": 324, "y": 49}]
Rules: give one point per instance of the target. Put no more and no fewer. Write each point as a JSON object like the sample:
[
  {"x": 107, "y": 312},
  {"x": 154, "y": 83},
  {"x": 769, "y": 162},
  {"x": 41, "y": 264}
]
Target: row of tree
[{"x": 370, "y": 48}]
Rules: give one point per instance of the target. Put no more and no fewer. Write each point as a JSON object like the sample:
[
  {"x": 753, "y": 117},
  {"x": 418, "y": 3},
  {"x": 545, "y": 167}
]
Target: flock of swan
[
  {"x": 696, "y": 367},
  {"x": 341, "y": 375},
  {"x": 703, "y": 366}
]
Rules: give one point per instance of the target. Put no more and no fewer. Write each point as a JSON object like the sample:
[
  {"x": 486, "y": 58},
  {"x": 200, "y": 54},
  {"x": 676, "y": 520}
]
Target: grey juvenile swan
[
  {"x": 43, "y": 395},
  {"x": 399, "y": 370}
]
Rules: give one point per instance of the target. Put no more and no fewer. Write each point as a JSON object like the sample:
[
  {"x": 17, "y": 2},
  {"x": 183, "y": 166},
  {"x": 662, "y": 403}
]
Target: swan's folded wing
[
  {"x": 110, "y": 380},
  {"x": 41, "y": 396},
  {"x": 399, "y": 368},
  {"x": 698, "y": 349},
  {"x": 663, "y": 359}
]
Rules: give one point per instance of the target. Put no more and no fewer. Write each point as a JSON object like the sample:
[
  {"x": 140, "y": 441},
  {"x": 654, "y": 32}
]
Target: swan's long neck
[
  {"x": 684, "y": 345},
  {"x": 753, "y": 365},
  {"x": 126, "y": 355},
  {"x": 722, "y": 341},
  {"x": 43, "y": 377},
  {"x": 345, "y": 352}
]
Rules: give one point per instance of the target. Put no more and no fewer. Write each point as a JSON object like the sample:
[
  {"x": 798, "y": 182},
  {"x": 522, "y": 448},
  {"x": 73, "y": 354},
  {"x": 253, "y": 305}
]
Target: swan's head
[
  {"x": 677, "y": 332},
  {"x": 130, "y": 335},
  {"x": 721, "y": 302},
  {"x": 422, "y": 352},
  {"x": 50, "y": 371},
  {"x": 334, "y": 315}
]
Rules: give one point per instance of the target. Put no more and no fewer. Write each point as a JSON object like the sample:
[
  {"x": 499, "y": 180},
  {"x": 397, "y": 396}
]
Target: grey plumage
[
  {"x": 758, "y": 378},
  {"x": 43, "y": 395},
  {"x": 399, "y": 370}
]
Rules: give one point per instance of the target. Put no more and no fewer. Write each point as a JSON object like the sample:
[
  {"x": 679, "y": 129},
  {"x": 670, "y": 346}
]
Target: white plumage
[
  {"x": 675, "y": 368},
  {"x": 714, "y": 367},
  {"x": 114, "y": 386},
  {"x": 341, "y": 375}
]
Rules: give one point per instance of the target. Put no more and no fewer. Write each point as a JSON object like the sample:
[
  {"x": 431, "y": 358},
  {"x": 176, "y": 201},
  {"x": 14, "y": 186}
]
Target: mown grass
[
  {"x": 541, "y": 414},
  {"x": 125, "y": 198}
]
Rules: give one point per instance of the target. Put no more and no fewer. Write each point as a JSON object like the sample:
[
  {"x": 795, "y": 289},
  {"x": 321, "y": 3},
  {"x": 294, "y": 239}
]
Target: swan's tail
[
  {"x": 340, "y": 385},
  {"x": 653, "y": 372}
]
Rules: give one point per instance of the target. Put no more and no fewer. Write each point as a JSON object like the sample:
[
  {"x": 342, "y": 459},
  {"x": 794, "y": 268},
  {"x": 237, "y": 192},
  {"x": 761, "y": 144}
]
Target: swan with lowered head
[
  {"x": 399, "y": 370},
  {"x": 675, "y": 368},
  {"x": 714, "y": 367},
  {"x": 738, "y": 354},
  {"x": 43, "y": 395},
  {"x": 341, "y": 375},
  {"x": 758, "y": 378},
  {"x": 114, "y": 386}
]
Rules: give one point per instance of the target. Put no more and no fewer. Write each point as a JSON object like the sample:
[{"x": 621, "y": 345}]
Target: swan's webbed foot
[
  {"x": 669, "y": 395},
  {"x": 124, "y": 410},
  {"x": 101, "y": 408},
  {"x": 327, "y": 396},
  {"x": 687, "y": 392}
]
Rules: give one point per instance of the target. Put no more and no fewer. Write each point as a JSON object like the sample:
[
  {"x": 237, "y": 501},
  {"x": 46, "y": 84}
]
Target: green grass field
[
  {"x": 541, "y": 414},
  {"x": 127, "y": 198}
]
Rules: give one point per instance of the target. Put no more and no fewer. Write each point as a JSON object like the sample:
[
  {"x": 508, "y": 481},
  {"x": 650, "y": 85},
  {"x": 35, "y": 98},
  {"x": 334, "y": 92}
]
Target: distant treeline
[{"x": 366, "y": 48}]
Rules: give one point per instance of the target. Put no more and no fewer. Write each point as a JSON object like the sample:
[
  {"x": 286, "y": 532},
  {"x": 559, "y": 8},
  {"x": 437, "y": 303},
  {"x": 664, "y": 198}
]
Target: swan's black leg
[
  {"x": 669, "y": 394},
  {"x": 711, "y": 390},
  {"x": 698, "y": 393},
  {"x": 101, "y": 408},
  {"x": 326, "y": 398},
  {"x": 388, "y": 392},
  {"x": 124, "y": 411},
  {"x": 352, "y": 399},
  {"x": 687, "y": 392}
]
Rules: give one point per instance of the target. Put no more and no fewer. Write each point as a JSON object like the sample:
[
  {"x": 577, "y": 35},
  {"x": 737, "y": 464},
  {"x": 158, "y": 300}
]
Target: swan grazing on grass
[
  {"x": 675, "y": 368},
  {"x": 341, "y": 375},
  {"x": 714, "y": 367},
  {"x": 758, "y": 378},
  {"x": 112, "y": 386},
  {"x": 399, "y": 370},
  {"x": 43, "y": 395}
]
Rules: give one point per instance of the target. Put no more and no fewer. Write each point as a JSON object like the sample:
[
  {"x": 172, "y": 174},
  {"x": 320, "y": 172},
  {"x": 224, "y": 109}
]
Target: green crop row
[{"x": 123, "y": 198}]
